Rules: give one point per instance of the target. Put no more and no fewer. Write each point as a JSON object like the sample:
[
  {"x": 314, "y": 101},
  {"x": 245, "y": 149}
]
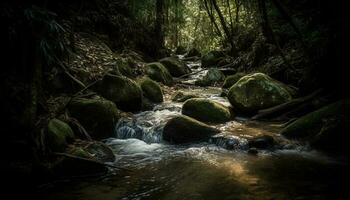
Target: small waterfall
[{"x": 147, "y": 126}]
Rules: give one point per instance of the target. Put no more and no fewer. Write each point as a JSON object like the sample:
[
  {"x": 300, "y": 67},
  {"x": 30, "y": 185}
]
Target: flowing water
[{"x": 154, "y": 169}]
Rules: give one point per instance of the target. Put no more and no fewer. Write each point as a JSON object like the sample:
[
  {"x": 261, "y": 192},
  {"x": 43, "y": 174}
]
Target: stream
[{"x": 221, "y": 168}]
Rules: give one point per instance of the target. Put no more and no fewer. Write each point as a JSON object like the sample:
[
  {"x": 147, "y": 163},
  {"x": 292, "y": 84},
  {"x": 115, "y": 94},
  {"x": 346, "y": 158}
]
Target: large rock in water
[
  {"x": 158, "y": 72},
  {"x": 151, "y": 90},
  {"x": 124, "y": 92},
  {"x": 211, "y": 77},
  {"x": 58, "y": 135},
  {"x": 212, "y": 58},
  {"x": 232, "y": 79},
  {"x": 98, "y": 116},
  {"x": 175, "y": 67},
  {"x": 183, "y": 129},
  {"x": 257, "y": 91},
  {"x": 206, "y": 110}
]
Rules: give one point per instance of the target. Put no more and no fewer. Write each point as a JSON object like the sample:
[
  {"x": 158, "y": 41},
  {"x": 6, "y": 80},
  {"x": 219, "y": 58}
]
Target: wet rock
[
  {"x": 211, "y": 77},
  {"x": 311, "y": 124},
  {"x": 193, "y": 52},
  {"x": 182, "y": 96},
  {"x": 59, "y": 134},
  {"x": 158, "y": 72},
  {"x": 184, "y": 129},
  {"x": 231, "y": 80},
  {"x": 257, "y": 91},
  {"x": 151, "y": 90},
  {"x": 212, "y": 58},
  {"x": 98, "y": 116},
  {"x": 124, "y": 92},
  {"x": 206, "y": 110},
  {"x": 261, "y": 142},
  {"x": 175, "y": 67}
]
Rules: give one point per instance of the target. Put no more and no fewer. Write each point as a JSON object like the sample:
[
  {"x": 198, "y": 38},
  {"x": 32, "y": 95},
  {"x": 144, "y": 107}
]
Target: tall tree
[{"x": 159, "y": 25}]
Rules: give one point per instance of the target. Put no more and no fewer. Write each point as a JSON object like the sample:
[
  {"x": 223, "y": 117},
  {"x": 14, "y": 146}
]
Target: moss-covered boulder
[
  {"x": 124, "y": 92},
  {"x": 212, "y": 58},
  {"x": 59, "y": 134},
  {"x": 211, "y": 77},
  {"x": 175, "y": 67},
  {"x": 93, "y": 150},
  {"x": 183, "y": 96},
  {"x": 193, "y": 52},
  {"x": 158, "y": 72},
  {"x": 184, "y": 129},
  {"x": 311, "y": 124},
  {"x": 206, "y": 110},
  {"x": 98, "y": 116},
  {"x": 257, "y": 91},
  {"x": 151, "y": 90},
  {"x": 232, "y": 79}
]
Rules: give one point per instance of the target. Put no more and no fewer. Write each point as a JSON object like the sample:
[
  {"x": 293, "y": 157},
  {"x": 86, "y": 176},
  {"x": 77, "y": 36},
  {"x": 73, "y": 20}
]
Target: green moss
[
  {"x": 311, "y": 124},
  {"x": 175, "y": 67},
  {"x": 98, "y": 116},
  {"x": 151, "y": 90},
  {"x": 184, "y": 129},
  {"x": 206, "y": 110},
  {"x": 124, "y": 92},
  {"x": 58, "y": 135},
  {"x": 232, "y": 79},
  {"x": 158, "y": 72},
  {"x": 257, "y": 91}
]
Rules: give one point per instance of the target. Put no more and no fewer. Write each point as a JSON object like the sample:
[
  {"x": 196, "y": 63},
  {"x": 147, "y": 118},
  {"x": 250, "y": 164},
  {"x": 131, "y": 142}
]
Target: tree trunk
[
  {"x": 212, "y": 18},
  {"x": 159, "y": 26},
  {"x": 225, "y": 28}
]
